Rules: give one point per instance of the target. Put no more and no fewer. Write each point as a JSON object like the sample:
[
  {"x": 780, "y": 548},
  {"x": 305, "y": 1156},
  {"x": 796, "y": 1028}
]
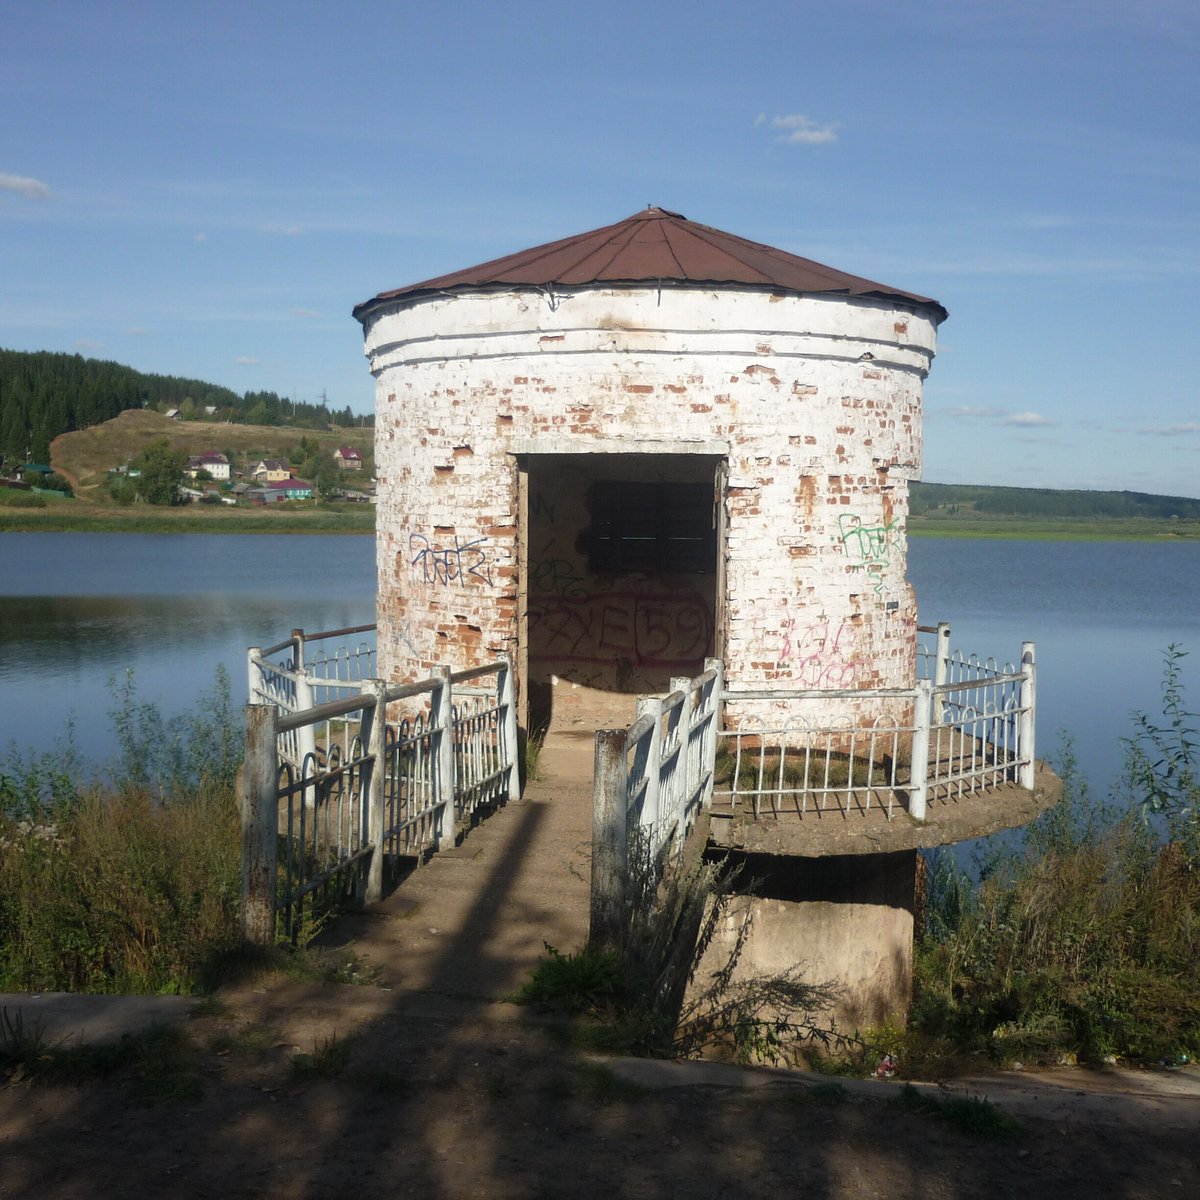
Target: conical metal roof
[{"x": 657, "y": 247}]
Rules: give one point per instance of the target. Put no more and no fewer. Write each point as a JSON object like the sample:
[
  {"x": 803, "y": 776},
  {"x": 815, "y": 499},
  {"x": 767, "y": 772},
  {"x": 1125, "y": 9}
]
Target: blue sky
[{"x": 207, "y": 190}]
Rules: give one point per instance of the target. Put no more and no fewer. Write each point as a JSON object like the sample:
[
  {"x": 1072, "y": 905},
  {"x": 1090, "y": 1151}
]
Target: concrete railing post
[
  {"x": 260, "y": 825},
  {"x": 441, "y": 703},
  {"x": 375, "y": 786},
  {"x": 253, "y": 674},
  {"x": 918, "y": 787},
  {"x": 1028, "y": 721},
  {"x": 507, "y": 700},
  {"x": 610, "y": 841}
]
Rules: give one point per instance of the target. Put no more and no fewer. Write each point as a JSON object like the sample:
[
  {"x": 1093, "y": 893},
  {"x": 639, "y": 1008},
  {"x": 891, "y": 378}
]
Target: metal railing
[
  {"x": 966, "y": 726},
  {"x": 651, "y": 782},
  {"x": 334, "y": 790}
]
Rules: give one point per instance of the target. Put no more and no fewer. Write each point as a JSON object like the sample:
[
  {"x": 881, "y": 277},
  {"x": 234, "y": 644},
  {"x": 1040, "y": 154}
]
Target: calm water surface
[{"x": 78, "y": 610}]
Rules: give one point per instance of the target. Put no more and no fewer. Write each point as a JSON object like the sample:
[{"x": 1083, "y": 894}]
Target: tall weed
[
  {"x": 1082, "y": 941},
  {"x": 130, "y": 888}
]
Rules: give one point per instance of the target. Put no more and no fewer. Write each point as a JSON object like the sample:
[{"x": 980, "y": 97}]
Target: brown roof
[{"x": 655, "y": 246}]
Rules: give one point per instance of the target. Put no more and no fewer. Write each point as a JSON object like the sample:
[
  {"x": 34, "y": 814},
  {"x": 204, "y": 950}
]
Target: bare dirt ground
[{"x": 425, "y": 1082}]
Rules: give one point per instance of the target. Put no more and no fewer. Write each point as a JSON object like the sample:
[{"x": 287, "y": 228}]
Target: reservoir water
[{"x": 79, "y": 610}]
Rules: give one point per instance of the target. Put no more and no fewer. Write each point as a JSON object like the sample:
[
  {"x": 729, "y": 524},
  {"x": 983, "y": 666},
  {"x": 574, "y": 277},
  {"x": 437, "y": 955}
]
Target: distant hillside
[
  {"x": 43, "y": 395},
  {"x": 955, "y": 499},
  {"x": 85, "y": 457}
]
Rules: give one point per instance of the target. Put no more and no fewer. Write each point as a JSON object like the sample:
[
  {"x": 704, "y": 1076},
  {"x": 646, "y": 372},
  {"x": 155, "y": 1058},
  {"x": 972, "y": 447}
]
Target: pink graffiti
[{"x": 823, "y": 657}]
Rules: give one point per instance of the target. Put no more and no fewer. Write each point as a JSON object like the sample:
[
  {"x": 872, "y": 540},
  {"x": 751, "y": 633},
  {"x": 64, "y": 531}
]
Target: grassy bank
[
  {"x": 1065, "y": 529},
  {"x": 72, "y": 517},
  {"x": 132, "y": 885}
]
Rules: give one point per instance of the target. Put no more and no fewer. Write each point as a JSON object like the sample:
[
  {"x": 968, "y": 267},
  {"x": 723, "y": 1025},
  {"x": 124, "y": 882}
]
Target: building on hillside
[
  {"x": 348, "y": 459},
  {"x": 291, "y": 489},
  {"x": 271, "y": 470},
  {"x": 212, "y": 461}
]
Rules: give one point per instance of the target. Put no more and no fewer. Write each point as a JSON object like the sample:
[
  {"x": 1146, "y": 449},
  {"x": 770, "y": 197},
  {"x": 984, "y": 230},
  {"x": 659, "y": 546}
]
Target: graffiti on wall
[
  {"x": 647, "y": 629},
  {"x": 557, "y": 577},
  {"x": 822, "y": 656},
  {"x": 870, "y": 544},
  {"x": 463, "y": 562}
]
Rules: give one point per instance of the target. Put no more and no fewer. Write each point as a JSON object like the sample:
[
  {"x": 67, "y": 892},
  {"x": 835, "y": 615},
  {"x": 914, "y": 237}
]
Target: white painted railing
[
  {"x": 651, "y": 782},
  {"x": 334, "y": 790},
  {"x": 971, "y": 730}
]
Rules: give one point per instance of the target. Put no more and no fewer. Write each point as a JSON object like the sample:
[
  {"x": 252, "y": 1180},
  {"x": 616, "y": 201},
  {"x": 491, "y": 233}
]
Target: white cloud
[
  {"x": 972, "y": 410},
  {"x": 88, "y": 344},
  {"x": 281, "y": 230},
  {"x": 303, "y": 312},
  {"x": 1027, "y": 420},
  {"x": 798, "y": 130},
  {"x": 199, "y": 237},
  {"x": 24, "y": 185},
  {"x": 136, "y": 331},
  {"x": 244, "y": 360}
]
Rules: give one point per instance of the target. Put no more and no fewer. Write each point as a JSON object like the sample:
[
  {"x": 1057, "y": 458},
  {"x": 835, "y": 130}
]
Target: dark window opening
[{"x": 653, "y": 527}]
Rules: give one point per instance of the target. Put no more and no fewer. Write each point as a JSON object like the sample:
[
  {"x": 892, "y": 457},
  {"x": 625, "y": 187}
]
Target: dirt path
[{"x": 425, "y": 1082}]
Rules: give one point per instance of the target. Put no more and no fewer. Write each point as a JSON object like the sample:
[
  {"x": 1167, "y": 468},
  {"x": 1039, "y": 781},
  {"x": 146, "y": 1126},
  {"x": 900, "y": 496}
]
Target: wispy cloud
[
  {"x": 136, "y": 331},
  {"x": 281, "y": 230},
  {"x": 999, "y": 416},
  {"x": 795, "y": 129},
  {"x": 244, "y": 360},
  {"x": 24, "y": 185},
  {"x": 1189, "y": 427},
  {"x": 88, "y": 344},
  {"x": 199, "y": 237},
  {"x": 303, "y": 312},
  {"x": 1027, "y": 420}
]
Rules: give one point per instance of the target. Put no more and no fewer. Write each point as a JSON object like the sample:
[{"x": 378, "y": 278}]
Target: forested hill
[
  {"x": 929, "y": 499},
  {"x": 43, "y": 394}
]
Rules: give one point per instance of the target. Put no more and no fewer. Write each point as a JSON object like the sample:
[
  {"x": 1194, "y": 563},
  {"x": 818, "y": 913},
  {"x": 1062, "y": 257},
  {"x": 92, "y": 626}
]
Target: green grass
[
  {"x": 972, "y": 1115},
  {"x": 194, "y": 518},
  {"x": 163, "y": 1062},
  {"x": 1064, "y": 529}
]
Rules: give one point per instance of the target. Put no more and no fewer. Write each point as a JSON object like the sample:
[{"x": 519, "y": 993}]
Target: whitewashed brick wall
[{"x": 815, "y": 400}]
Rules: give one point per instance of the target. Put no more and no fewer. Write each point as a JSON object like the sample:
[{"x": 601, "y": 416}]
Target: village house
[
  {"x": 212, "y": 461},
  {"x": 348, "y": 459},
  {"x": 271, "y": 470}
]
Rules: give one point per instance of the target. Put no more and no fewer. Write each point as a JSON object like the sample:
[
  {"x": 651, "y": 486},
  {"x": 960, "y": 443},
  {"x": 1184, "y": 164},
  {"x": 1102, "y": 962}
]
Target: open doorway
[{"x": 622, "y": 577}]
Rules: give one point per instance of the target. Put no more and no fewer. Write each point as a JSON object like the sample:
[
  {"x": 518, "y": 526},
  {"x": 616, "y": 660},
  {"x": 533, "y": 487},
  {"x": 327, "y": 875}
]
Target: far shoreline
[{"x": 359, "y": 520}]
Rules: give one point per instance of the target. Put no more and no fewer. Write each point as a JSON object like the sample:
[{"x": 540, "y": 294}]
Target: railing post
[
  {"x": 306, "y": 735},
  {"x": 442, "y": 706},
  {"x": 1028, "y": 725},
  {"x": 941, "y": 662},
  {"x": 649, "y": 764},
  {"x": 610, "y": 841},
  {"x": 253, "y": 674},
  {"x": 689, "y": 768},
  {"x": 508, "y": 706},
  {"x": 376, "y": 788},
  {"x": 918, "y": 786},
  {"x": 260, "y": 825},
  {"x": 712, "y": 733}
]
